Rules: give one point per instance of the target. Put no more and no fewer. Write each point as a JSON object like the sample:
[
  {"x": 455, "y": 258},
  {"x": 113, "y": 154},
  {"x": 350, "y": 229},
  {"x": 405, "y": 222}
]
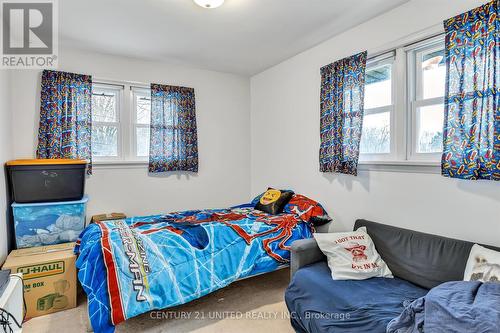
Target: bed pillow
[
  {"x": 483, "y": 265},
  {"x": 308, "y": 210},
  {"x": 352, "y": 255},
  {"x": 257, "y": 198},
  {"x": 273, "y": 201}
]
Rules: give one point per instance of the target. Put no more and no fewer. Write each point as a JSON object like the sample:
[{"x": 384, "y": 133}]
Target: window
[
  {"x": 106, "y": 122},
  {"x": 378, "y": 111},
  {"x": 404, "y": 104},
  {"x": 142, "y": 118},
  {"x": 120, "y": 122},
  {"x": 427, "y": 89}
]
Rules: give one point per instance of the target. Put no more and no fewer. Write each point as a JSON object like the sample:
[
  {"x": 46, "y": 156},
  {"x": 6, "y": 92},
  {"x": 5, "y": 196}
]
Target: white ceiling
[{"x": 242, "y": 36}]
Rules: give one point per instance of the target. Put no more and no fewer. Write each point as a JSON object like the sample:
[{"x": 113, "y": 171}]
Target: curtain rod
[
  {"x": 440, "y": 34},
  {"x": 108, "y": 84},
  {"x": 392, "y": 49},
  {"x": 122, "y": 84}
]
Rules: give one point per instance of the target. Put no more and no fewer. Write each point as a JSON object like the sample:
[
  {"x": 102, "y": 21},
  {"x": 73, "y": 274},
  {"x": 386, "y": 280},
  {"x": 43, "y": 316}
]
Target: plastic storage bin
[
  {"x": 46, "y": 180},
  {"x": 48, "y": 223}
]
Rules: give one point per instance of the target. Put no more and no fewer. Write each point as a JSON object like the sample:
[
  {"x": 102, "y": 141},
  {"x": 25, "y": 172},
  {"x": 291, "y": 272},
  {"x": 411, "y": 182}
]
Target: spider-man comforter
[{"x": 129, "y": 267}]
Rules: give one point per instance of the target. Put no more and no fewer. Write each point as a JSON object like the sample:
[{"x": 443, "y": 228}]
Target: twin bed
[{"x": 132, "y": 266}]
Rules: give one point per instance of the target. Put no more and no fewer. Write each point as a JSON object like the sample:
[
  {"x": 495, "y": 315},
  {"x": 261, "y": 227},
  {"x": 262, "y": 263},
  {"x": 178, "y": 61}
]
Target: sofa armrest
[{"x": 304, "y": 252}]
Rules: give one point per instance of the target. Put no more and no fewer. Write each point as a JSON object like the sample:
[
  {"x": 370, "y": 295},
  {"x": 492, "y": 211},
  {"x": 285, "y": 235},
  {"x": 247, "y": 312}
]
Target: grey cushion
[
  {"x": 304, "y": 252},
  {"x": 423, "y": 259}
]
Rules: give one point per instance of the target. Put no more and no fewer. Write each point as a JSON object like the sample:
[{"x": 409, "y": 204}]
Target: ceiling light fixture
[{"x": 211, "y": 4}]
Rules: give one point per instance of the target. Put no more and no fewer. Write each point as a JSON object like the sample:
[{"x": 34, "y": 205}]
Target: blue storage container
[{"x": 38, "y": 224}]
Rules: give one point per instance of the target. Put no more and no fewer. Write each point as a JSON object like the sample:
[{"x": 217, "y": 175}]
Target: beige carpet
[{"x": 251, "y": 305}]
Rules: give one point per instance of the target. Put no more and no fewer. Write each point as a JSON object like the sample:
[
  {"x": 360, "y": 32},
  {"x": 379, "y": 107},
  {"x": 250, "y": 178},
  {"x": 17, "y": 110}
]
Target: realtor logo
[{"x": 29, "y": 34}]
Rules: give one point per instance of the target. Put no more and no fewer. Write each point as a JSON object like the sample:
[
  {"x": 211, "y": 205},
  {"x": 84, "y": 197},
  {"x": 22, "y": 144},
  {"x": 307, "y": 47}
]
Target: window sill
[
  {"x": 380, "y": 166},
  {"x": 401, "y": 166},
  {"x": 120, "y": 164}
]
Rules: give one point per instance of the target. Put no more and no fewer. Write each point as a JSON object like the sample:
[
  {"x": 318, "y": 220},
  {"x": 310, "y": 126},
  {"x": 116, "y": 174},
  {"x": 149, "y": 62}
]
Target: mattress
[{"x": 129, "y": 267}]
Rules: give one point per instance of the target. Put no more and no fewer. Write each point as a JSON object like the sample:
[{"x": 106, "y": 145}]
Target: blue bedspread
[
  {"x": 128, "y": 267},
  {"x": 457, "y": 306},
  {"x": 319, "y": 304}
]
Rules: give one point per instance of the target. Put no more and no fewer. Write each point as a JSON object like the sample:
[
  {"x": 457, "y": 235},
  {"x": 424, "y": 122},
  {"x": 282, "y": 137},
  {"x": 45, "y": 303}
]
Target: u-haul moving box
[{"x": 49, "y": 275}]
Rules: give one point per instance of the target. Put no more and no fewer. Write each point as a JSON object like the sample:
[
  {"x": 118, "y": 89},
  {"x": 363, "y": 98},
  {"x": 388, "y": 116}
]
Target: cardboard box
[
  {"x": 108, "y": 217},
  {"x": 49, "y": 275}
]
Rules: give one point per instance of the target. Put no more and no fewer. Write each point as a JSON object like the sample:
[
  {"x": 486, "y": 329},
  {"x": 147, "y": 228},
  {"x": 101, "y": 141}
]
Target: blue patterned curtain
[
  {"x": 173, "y": 143},
  {"x": 65, "y": 117},
  {"x": 472, "y": 114},
  {"x": 342, "y": 100}
]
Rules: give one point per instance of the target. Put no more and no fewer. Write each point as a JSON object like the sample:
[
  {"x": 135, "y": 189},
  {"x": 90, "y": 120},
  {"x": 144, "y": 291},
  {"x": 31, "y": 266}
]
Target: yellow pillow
[{"x": 274, "y": 201}]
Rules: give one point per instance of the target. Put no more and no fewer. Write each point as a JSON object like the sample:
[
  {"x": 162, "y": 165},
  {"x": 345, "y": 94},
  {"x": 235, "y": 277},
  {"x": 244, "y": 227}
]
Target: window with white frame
[
  {"x": 404, "y": 104},
  {"x": 120, "y": 122},
  {"x": 142, "y": 118},
  {"x": 106, "y": 124},
  {"x": 426, "y": 89},
  {"x": 376, "y": 138}
]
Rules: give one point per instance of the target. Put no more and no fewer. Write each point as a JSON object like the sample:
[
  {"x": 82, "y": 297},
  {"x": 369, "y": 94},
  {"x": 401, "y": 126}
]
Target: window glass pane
[
  {"x": 104, "y": 106},
  {"x": 142, "y": 134},
  {"x": 433, "y": 74},
  {"x": 104, "y": 140},
  {"x": 378, "y": 88},
  {"x": 143, "y": 109},
  {"x": 376, "y": 135},
  {"x": 430, "y": 121}
]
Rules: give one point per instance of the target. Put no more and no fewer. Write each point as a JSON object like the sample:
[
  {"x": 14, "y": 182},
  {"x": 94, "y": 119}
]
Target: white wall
[
  {"x": 222, "y": 105},
  {"x": 285, "y": 141},
  {"x": 5, "y": 155}
]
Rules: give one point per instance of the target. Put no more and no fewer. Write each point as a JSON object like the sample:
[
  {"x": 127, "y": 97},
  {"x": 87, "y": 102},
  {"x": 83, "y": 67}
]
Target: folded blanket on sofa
[{"x": 459, "y": 306}]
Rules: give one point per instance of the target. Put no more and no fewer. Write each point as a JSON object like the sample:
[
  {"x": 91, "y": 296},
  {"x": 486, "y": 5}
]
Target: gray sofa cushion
[
  {"x": 304, "y": 252},
  {"x": 423, "y": 259}
]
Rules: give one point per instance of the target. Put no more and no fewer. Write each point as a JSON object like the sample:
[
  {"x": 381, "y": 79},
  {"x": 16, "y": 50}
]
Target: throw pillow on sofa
[
  {"x": 483, "y": 265},
  {"x": 352, "y": 255}
]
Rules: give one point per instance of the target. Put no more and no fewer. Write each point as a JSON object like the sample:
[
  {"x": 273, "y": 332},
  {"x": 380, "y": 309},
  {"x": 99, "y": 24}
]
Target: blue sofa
[{"x": 418, "y": 261}]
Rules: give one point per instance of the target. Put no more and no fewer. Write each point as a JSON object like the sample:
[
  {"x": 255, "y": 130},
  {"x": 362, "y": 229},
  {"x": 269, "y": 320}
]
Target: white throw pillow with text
[{"x": 352, "y": 255}]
